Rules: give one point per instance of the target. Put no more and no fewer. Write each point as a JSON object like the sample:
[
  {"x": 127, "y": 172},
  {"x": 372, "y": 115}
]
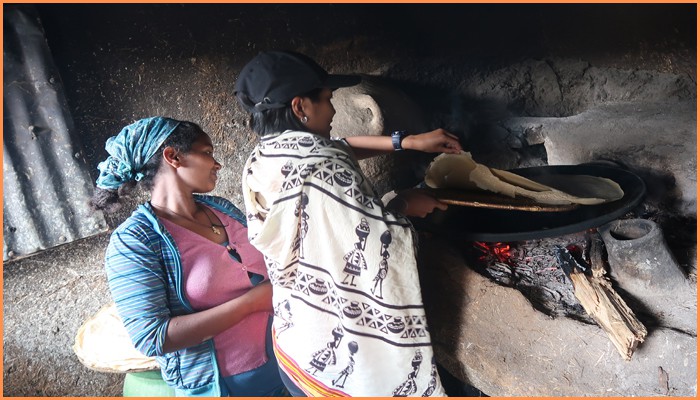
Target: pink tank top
[{"x": 211, "y": 277}]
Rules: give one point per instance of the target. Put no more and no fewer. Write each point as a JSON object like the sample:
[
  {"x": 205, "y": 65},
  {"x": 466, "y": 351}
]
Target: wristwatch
[{"x": 396, "y": 138}]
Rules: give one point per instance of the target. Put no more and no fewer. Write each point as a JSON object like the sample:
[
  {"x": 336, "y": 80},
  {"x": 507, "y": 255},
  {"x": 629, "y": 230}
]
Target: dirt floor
[{"x": 121, "y": 62}]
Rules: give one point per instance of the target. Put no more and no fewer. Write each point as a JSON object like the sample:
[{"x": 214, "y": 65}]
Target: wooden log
[{"x": 605, "y": 306}]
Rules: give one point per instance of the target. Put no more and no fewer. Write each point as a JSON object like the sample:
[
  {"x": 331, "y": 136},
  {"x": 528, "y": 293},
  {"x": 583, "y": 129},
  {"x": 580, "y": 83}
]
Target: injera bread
[
  {"x": 460, "y": 171},
  {"x": 102, "y": 344}
]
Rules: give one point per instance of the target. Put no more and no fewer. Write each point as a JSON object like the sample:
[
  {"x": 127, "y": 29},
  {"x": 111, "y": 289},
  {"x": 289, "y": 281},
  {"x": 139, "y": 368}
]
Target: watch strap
[{"x": 396, "y": 138}]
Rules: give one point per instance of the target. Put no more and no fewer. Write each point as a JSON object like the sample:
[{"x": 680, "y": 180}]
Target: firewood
[{"x": 605, "y": 306}]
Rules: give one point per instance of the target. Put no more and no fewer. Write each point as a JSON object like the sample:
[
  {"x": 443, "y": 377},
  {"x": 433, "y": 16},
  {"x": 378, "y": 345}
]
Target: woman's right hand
[
  {"x": 260, "y": 297},
  {"x": 191, "y": 329},
  {"x": 436, "y": 141},
  {"x": 416, "y": 203}
]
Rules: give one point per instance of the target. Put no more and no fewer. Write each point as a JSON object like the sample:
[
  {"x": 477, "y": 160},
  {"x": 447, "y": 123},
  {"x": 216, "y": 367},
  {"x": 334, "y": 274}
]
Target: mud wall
[{"x": 123, "y": 62}]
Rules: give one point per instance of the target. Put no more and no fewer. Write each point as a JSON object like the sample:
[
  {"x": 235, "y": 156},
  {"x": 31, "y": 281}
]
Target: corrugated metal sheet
[{"x": 46, "y": 184}]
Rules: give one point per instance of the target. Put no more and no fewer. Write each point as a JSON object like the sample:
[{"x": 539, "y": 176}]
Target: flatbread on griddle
[
  {"x": 518, "y": 180},
  {"x": 460, "y": 171},
  {"x": 583, "y": 185},
  {"x": 451, "y": 171}
]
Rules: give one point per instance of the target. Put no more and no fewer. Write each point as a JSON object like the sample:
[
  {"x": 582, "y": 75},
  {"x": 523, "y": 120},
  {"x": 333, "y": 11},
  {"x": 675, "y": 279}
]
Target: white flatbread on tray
[{"x": 460, "y": 171}]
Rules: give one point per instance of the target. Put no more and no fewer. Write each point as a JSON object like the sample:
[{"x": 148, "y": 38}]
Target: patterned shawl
[{"x": 349, "y": 317}]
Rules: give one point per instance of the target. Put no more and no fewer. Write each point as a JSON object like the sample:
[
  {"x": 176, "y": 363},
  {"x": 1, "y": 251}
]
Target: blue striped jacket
[{"x": 144, "y": 273}]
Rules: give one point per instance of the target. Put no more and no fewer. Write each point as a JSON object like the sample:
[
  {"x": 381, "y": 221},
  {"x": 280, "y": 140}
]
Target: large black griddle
[{"x": 507, "y": 224}]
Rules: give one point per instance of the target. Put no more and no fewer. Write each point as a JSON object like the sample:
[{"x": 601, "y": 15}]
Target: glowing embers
[
  {"x": 532, "y": 267},
  {"x": 498, "y": 251}
]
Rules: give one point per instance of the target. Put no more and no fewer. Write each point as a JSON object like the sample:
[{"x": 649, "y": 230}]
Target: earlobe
[{"x": 297, "y": 107}]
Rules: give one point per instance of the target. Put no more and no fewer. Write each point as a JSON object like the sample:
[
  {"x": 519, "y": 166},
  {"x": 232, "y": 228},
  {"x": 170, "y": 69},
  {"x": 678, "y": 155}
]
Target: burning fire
[{"x": 499, "y": 251}]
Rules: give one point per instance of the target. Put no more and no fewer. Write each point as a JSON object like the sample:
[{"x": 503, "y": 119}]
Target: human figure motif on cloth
[
  {"x": 408, "y": 387},
  {"x": 325, "y": 357},
  {"x": 383, "y": 264},
  {"x": 352, "y": 347},
  {"x": 303, "y": 224},
  {"x": 433, "y": 380},
  {"x": 283, "y": 312},
  {"x": 355, "y": 260}
]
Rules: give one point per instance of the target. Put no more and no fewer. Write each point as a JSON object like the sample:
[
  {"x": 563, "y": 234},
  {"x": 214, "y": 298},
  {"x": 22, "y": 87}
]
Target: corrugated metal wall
[{"x": 46, "y": 184}]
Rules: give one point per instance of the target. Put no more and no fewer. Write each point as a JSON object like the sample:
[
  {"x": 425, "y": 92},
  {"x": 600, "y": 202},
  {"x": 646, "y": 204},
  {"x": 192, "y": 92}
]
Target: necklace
[{"x": 214, "y": 227}]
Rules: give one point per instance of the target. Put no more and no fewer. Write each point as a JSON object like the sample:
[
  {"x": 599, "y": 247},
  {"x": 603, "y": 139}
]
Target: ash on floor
[{"x": 533, "y": 268}]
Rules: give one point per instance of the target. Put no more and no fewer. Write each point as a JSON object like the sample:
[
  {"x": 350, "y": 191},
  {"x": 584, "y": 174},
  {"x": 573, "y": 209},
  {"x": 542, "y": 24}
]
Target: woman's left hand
[
  {"x": 415, "y": 203},
  {"x": 437, "y": 141}
]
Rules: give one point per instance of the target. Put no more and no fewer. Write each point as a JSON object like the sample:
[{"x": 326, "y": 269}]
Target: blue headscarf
[{"x": 131, "y": 149}]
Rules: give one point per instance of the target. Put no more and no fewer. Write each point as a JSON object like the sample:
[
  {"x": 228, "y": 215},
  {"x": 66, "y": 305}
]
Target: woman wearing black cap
[{"x": 330, "y": 242}]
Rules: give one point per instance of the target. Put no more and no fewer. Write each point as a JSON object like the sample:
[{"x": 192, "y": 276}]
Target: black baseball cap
[{"x": 273, "y": 78}]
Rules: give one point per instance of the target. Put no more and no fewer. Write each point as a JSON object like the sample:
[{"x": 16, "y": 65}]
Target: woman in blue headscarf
[{"x": 188, "y": 285}]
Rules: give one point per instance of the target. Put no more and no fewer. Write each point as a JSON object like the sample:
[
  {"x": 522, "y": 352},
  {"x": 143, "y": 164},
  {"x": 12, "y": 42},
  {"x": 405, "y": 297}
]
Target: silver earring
[{"x": 304, "y": 119}]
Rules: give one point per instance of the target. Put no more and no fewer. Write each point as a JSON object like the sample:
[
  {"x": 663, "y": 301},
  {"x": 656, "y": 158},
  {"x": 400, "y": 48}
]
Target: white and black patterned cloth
[{"x": 327, "y": 239}]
